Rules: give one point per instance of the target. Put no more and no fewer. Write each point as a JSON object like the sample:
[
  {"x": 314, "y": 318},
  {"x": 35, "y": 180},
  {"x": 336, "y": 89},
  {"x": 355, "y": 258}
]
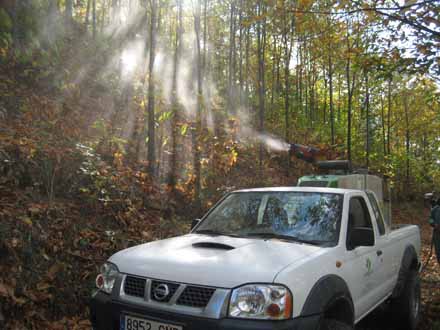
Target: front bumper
[{"x": 105, "y": 315}]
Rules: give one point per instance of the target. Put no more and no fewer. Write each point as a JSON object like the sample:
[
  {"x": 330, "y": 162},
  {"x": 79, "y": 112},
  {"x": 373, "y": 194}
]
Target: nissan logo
[{"x": 161, "y": 292}]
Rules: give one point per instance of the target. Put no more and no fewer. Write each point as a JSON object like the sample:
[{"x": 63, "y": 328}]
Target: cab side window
[
  {"x": 377, "y": 213},
  {"x": 360, "y": 230},
  {"x": 358, "y": 215}
]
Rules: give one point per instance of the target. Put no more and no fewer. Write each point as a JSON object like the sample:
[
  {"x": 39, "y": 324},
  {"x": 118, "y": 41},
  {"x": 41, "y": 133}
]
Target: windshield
[{"x": 298, "y": 216}]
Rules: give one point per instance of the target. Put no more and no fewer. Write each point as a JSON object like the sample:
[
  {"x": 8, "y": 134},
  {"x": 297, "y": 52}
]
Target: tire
[
  {"x": 405, "y": 308},
  {"x": 329, "y": 324}
]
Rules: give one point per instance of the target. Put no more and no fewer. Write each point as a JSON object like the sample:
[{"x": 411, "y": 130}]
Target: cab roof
[{"x": 300, "y": 189}]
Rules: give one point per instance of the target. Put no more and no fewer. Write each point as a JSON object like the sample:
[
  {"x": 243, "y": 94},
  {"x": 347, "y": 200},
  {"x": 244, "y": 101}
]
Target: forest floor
[{"x": 50, "y": 256}]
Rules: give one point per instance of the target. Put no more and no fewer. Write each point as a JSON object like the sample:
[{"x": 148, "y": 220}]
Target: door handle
[{"x": 379, "y": 253}]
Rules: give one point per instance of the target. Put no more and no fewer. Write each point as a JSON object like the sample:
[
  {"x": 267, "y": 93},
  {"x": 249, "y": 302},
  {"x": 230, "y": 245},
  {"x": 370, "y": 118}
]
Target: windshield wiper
[
  {"x": 212, "y": 232},
  {"x": 285, "y": 237}
]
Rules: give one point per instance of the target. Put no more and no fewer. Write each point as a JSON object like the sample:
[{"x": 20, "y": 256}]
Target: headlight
[
  {"x": 261, "y": 301},
  {"x": 105, "y": 281}
]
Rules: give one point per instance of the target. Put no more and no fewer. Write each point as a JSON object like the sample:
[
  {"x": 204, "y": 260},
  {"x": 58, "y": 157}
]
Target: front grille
[
  {"x": 195, "y": 296},
  {"x": 172, "y": 287},
  {"x": 192, "y": 296},
  {"x": 134, "y": 286}
]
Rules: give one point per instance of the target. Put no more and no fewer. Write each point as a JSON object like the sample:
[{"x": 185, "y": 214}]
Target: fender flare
[
  {"x": 326, "y": 291},
  {"x": 409, "y": 256}
]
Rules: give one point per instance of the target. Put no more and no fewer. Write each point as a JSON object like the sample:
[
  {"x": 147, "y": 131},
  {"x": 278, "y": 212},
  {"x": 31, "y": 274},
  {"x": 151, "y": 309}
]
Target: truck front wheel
[
  {"x": 329, "y": 324},
  {"x": 406, "y": 307}
]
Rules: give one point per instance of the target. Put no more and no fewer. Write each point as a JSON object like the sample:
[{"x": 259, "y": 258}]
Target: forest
[{"x": 123, "y": 120}]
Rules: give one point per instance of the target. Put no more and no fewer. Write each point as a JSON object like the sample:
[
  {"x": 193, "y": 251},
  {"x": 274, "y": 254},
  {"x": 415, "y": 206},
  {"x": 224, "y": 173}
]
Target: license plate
[{"x": 129, "y": 322}]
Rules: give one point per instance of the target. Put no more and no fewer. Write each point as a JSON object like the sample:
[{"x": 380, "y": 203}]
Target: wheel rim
[{"x": 416, "y": 302}]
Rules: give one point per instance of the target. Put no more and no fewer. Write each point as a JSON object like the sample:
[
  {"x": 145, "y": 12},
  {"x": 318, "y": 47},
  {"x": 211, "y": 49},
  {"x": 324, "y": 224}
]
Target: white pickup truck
[{"x": 275, "y": 258}]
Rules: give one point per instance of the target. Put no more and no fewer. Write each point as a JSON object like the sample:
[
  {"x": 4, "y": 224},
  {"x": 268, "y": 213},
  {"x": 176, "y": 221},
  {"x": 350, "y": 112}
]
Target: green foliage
[
  {"x": 5, "y": 41},
  {"x": 164, "y": 116},
  {"x": 5, "y": 21},
  {"x": 5, "y": 31}
]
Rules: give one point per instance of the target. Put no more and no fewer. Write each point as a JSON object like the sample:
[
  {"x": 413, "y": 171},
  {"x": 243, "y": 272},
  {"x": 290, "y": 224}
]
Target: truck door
[
  {"x": 384, "y": 250},
  {"x": 362, "y": 272}
]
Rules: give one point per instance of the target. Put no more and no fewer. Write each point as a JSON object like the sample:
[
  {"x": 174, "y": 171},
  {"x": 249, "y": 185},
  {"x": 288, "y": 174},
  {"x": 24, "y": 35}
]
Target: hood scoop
[{"x": 213, "y": 245}]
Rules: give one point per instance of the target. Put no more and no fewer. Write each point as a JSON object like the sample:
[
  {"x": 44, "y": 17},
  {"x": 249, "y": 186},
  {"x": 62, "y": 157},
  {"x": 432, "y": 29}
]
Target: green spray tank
[{"x": 340, "y": 174}]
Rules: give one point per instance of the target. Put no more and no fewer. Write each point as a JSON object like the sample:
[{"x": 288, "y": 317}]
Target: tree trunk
[
  {"x": 350, "y": 89},
  {"x": 324, "y": 107},
  {"x": 52, "y": 22},
  {"x": 424, "y": 156},
  {"x": 247, "y": 68},
  {"x": 340, "y": 81},
  {"x": 231, "y": 59},
  {"x": 407, "y": 138},
  {"x": 114, "y": 11},
  {"x": 69, "y": 11},
  {"x": 275, "y": 60},
  {"x": 288, "y": 45},
  {"x": 367, "y": 119},
  {"x": 384, "y": 143},
  {"x": 314, "y": 95},
  {"x": 332, "y": 112},
  {"x": 349, "y": 104},
  {"x": 261, "y": 44},
  {"x": 88, "y": 13},
  {"x": 102, "y": 20},
  {"x": 278, "y": 70},
  {"x": 240, "y": 59},
  {"x": 94, "y": 18},
  {"x": 205, "y": 35},
  {"x": 300, "y": 79},
  {"x": 306, "y": 83},
  {"x": 151, "y": 92},
  {"x": 390, "y": 80},
  {"x": 198, "y": 128},
  {"x": 172, "y": 179},
  {"x": 15, "y": 23}
]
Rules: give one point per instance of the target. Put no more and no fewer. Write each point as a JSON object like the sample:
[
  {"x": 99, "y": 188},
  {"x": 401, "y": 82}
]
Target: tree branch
[
  {"x": 381, "y": 11},
  {"x": 357, "y": 10},
  {"x": 409, "y": 22}
]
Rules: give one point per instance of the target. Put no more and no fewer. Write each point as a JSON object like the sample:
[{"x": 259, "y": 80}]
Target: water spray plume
[
  {"x": 128, "y": 61},
  {"x": 274, "y": 143},
  {"x": 248, "y": 133}
]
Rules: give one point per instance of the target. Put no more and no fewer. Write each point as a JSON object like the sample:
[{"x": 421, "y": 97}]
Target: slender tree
[
  {"x": 407, "y": 138},
  {"x": 390, "y": 81},
  {"x": 151, "y": 91},
  {"x": 351, "y": 80},
  {"x": 94, "y": 18},
  {"x": 247, "y": 66},
  {"x": 330, "y": 82},
  {"x": 88, "y": 13},
  {"x": 288, "y": 46},
  {"x": 174, "y": 101},
  {"x": 69, "y": 11},
  {"x": 382, "y": 112},
  {"x": 231, "y": 58},
  {"x": 261, "y": 50},
  {"x": 198, "y": 121},
  {"x": 240, "y": 58},
  {"x": 367, "y": 118}
]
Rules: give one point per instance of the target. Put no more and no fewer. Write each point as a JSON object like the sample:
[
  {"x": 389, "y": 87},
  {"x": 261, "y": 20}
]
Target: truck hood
[{"x": 219, "y": 261}]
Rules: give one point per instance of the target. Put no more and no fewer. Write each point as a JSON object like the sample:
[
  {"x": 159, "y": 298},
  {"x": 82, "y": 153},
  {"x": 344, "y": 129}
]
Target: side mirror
[
  {"x": 360, "y": 236},
  {"x": 195, "y": 223}
]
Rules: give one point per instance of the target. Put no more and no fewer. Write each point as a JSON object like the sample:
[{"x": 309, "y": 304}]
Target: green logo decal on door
[{"x": 369, "y": 267}]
